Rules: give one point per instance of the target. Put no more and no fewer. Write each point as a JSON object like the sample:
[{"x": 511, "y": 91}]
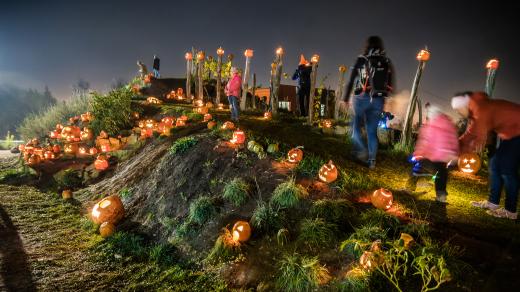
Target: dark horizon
[{"x": 57, "y": 43}]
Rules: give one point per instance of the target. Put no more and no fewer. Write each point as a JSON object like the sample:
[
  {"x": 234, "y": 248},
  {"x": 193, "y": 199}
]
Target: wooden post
[
  {"x": 220, "y": 53},
  {"x": 254, "y": 90},
  {"x": 419, "y": 109},
  {"x": 314, "y": 60},
  {"x": 406, "y": 139},
  {"x": 492, "y": 67},
  {"x": 189, "y": 64},
  {"x": 245, "y": 83},
  {"x": 271, "y": 86},
  {"x": 277, "y": 76},
  {"x": 200, "y": 68},
  {"x": 339, "y": 91}
]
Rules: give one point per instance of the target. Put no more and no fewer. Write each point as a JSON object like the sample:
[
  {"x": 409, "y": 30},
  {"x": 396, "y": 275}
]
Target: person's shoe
[
  {"x": 441, "y": 198},
  {"x": 371, "y": 164},
  {"x": 484, "y": 205},
  {"x": 502, "y": 213}
]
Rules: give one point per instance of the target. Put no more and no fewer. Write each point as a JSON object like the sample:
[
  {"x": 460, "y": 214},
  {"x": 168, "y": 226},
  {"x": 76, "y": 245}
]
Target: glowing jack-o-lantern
[
  {"x": 66, "y": 194},
  {"x": 241, "y": 231},
  {"x": 168, "y": 121},
  {"x": 82, "y": 151},
  {"x": 153, "y": 100},
  {"x": 21, "y": 147},
  {"x": 54, "y": 134},
  {"x": 56, "y": 148},
  {"x": 86, "y": 117},
  {"x": 423, "y": 56},
  {"x": 86, "y": 134},
  {"x": 109, "y": 209},
  {"x": 239, "y": 137},
  {"x": 207, "y": 117},
  {"x": 469, "y": 163},
  {"x": 180, "y": 93},
  {"x": 382, "y": 199},
  {"x": 228, "y": 126},
  {"x": 268, "y": 115},
  {"x": 198, "y": 102},
  {"x": 70, "y": 148},
  {"x": 171, "y": 95},
  {"x": 107, "y": 229},
  {"x": 148, "y": 78},
  {"x": 295, "y": 155},
  {"x": 183, "y": 118},
  {"x": 146, "y": 133},
  {"x": 180, "y": 123},
  {"x": 209, "y": 104},
  {"x": 105, "y": 147},
  {"x": 164, "y": 129},
  {"x": 101, "y": 163},
  {"x": 328, "y": 172},
  {"x": 93, "y": 151},
  {"x": 49, "y": 155},
  {"x": 201, "y": 110},
  {"x": 327, "y": 124},
  {"x": 59, "y": 127},
  {"x": 211, "y": 124},
  {"x": 150, "y": 124},
  {"x": 33, "y": 160},
  {"x": 220, "y": 106},
  {"x": 492, "y": 64}
]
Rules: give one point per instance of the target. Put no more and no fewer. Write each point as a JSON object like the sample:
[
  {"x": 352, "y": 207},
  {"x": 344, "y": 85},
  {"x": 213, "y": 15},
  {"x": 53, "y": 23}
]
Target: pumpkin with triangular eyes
[{"x": 469, "y": 163}]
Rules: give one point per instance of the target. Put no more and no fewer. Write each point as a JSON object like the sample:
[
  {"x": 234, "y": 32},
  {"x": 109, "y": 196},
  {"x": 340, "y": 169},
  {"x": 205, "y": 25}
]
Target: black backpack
[{"x": 374, "y": 76}]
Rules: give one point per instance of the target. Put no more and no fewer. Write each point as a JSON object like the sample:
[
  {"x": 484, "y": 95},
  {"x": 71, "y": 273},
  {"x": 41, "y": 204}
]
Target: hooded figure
[
  {"x": 303, "y": 76},
  {"x": 502, "y": 117},
  {"x": 156, "y": 66}
]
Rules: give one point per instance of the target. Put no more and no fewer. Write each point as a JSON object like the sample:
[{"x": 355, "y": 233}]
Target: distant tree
[
  {"x": 81, "y": 88},
  {"x": 118, "y": 83}
]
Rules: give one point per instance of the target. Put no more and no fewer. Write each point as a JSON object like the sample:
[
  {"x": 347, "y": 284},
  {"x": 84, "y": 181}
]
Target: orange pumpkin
[
  {"x": 103, "y": 135},
  {"x": 241, "y": 231},
  {"x": 326, "y": 123},
  {"x": 66, "y": 194},
  {"x": 268, "y": 115},
  {"x": 109, "y": 209},
  {"x": 423, "y": 56},
  {"x": 382, "y": 199},
  {"x": 168, "y": 120},
  {"x": 211, "y": 124},
  {"x": 21, "y": 147},
  {"x": 59, "y": 127},
  {"x": 101, "y": 163},
  {"x": 239, "y": 137},
  {"x": 180, "y": 123},
  {"x": 83, "y": 150},
  {"x": 220, "y": 106},
  {"x": 228, "y": 126},
  {"x": 492, "y": 64},
  {"x": 49, "y": 155},
  {"x": 33, "y": 160},
  {"x": 86, "y": 134},
  {"x": 146, "y": 133},
  {"x": 107, "y": 229},
  {"x": 164, "y": 129},
  {"x": 105, "y": 148},
  {"x": 295, "y": 155},
  {"x": 56, "y": 148},
  {"x": 207, "y": 117},
  {"x": 171, "y": 95},
  {"x": 54, "y": 134},
  {"x": 93, "y": 151},
  {"x": 86, "y": 117},
  {"x": 180, "y": 92},
  {"x": 328, "y": 172},
  {"x": 153, "y": 100},
  {"x": 70, "y": 148},
  {"x": 469, "y": 163}
]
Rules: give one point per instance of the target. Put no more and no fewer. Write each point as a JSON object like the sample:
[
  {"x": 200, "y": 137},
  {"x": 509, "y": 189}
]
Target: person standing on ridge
[
  {"x": 303, "y": 76},
  {"x": 156, "y": 66}
]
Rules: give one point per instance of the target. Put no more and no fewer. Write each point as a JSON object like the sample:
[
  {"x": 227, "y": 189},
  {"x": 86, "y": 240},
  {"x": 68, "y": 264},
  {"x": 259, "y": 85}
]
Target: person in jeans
[
  {"x": 437, "y": 145},
  {"x": 371, "y": 80},
  {"x": 502, "y": 117},
  {"x": 303, "y": 76},
  {"x": 233, "y": 93},
  {"x": 156, "y": 66}
]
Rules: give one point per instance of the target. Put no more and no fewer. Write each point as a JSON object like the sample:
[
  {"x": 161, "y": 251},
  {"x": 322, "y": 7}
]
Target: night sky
[{"x": 55, "y": 43}]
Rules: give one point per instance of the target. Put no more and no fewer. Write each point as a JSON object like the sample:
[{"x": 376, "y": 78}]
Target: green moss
[{"x": 181, "y": 145}]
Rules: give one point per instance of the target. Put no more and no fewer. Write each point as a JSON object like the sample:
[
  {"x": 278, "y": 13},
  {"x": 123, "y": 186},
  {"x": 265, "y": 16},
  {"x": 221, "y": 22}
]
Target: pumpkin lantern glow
[
  {"x": 228, "y": 126},
  {"x": 70, "y": 148},
  {"x": 241, "y": 231},
  {"x": 168, "y": 121},
  {"x": 49, "y": 155},
  {"x": 86, "y": 134},
  {"x": 207, "y": 117},
  {"x": 105, "y": 148},
  {"x": 295, "y": 155},
  {"x": 101, "y": 163},
  {"x": 107, "y": 229},
  {"x": 153, "y": 100},
  {"x": 493, "y": 64},
  {"x": 268, "y": 115},
  {"x": 109, "y": 209},
  {"x": 328, "y": 172},
  {"x": 239, "y": 137},
  {"x": 423, "y": 56},
  {"x": 469, "y": 163},
  {"x": 382, "y": 199}
]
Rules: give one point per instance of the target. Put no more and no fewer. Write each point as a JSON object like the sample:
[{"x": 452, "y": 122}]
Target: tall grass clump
[
  {"x": 310, "y": 165},
  {"x": 300, "y": 273},
  {"x": 39, "y": 124},
  {"x": 380, "y": 218},
  {"x": 288, "y": 194},
  {"x": 123, "y": 244},
  {"x": 182, "y": 145},
  {"x": 202, "y": 210},
  {"x": 316, "y": 233},
  {"x": 112, "y": 111},
  {"x": 225, "y": 249},
  {"x": 338, "y": 212},
  {"x": 267, "y": 219},
  {"x": 362, "y": 239},
  {"x": 236, "y": 192},
  {"x": 353, "y": 181}
]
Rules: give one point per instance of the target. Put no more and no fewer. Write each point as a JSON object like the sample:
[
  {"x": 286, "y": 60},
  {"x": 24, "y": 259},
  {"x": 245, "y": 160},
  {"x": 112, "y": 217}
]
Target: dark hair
[
  {"x": 463, "y": 93},
  {"x": 374, "y": 43}
]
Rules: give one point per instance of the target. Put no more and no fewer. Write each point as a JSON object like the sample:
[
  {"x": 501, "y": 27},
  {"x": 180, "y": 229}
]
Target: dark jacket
[
  {"x": 156, "y": 63},
  {"x": 303, "y": 75},
  {"x": 354, "y": 76}
]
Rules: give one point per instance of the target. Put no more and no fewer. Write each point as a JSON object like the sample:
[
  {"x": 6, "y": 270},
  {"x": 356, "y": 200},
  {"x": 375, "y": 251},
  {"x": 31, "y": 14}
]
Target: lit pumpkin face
[
  {"x": 327, "y": 123},
  {"x": 423, "y": 56},
  {"x": 59, "y": 127},
  {"x": 150, "y": 124},
  {"x": 241, "y": 231},
  {"x": 146, "y": 133},
  {"x": 49, "y": 155},
  {"x": 35, "y": 142},
  {"x": 38, "y": 151},
  {"x": 407, "y": 239},
  {"x": 109, "y": 209},
  {"x": 21, "y": 147},
  {"x": 105, "y": 148},
  {"x": 54, "y": 134},
  {"x": 163, "y": 129},
  {"x": 469, "y": 163},
  {"x": 220, "y": 106},
  {"x": 148, "y": 79},
  {"x": 171, "y": 95},
  {"x": 93, "y": 151},
  {"x": 492, "y": 64},
  {"x": 228, "y": 126},
  {"x": 86, "y": 117},
  {"x": 382, "y": 199},
  {"x": 70, "y": 148},
  {"x": 328, "y": 172},
  {"x": 33, "y": 160},
  {"x": 211, "y": 124},
  {"x": 83, "y": 151},
  {"x": 66, "y": 194},
  {"x": 239, "y": 137},
  {"x": 168, "y": 120},
  {"x": 153, "y": 100},
  {"x": 201, "y": 110},
  {"x": 207, "y": 117},
  {"x": 198, "y": 103},
  {"x": 180, "y": 93},
  {"x": 56, "y": 148},
  {"x": 101, "y": 163},
  {"x": 86, "y": 134},
  {"x": 295, "y": 155},
  {"x": 180, "y": 123},
  {"x": 107, "y": 229},
  {"x": 103, "y": 135},
  {"x": 268, "y": 115},
  {"x": 183, "y": 118}
]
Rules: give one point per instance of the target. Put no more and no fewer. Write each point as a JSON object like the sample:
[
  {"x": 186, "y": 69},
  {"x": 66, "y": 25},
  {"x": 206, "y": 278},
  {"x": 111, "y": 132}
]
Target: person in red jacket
[
  {"x": 436, "y": 146},
  {"x": 501, "y": 117},
  {"x": 233, "y": 93}
]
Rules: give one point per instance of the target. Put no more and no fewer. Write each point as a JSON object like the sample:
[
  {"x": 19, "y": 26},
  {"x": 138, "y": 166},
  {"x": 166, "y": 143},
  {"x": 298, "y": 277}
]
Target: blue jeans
[
  {"x": 233, "y": 106},
  {"x": 503, "y": 173},
  {"x": 367, "y": 112},
  {"x": 156, "y": 73}
]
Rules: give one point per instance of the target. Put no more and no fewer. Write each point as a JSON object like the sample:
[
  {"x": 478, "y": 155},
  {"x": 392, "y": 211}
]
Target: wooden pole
[
  {"x": 277, "y": 78},
  {"x": 314, "y": 60},
  {"x": 245, "y": 83},
  {"x": 189, "y": 63},
  {"x": 492, "y": 67},
  {"x": 419, "y": 109},
  {"x": 406, "y": 138},
  {"x": 339, "y": 91},
  {"x": 220, "y": 53},
  {"x": 271, "y": 86},
  {"x": 200, "y": 66}
]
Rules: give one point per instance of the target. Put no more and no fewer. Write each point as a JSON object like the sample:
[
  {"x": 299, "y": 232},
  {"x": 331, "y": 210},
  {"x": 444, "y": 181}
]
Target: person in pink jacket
[
  {"x": 233, "y": 92},
  {"x": 437, "y": 146}
]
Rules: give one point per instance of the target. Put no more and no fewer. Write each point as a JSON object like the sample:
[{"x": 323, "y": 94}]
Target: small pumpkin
[
  {"x": 273, "y": 148},
  {"x": 107, "y": 229},
  {"x": 239, "y": 137},
  {"x": 423, "y": 56},
  {"x": 33, "y": 160},
  {"x": 71, "y": 148},
  {"x": 66, "y": 194},
  {"x": 101, "y": 163},
  {"x": 295, "y": 155},
  {"x": 207, "y": 117},
  {"x": 228, "y": 126},
  {"x": 382, "y": 199},
  {"x": 211, "y": 124},
  {"x": 49, "y": 155},
  {"x": 93, "y": 151},
  {"x": 56, "y": 148},
  {"x": 268, "y": 115},
  {"x": 110, "y": 209},
  {"x": 328, "y": 172},
  {"x": 241, "y": 231},
  {"x": 86, "y": 134}
]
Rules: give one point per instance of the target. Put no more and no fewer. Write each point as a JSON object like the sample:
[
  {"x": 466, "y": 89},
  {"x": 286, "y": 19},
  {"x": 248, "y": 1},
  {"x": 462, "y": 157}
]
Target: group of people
[
  {"x": 143, "y": 70},
  {"x": 438, "y": 145}
]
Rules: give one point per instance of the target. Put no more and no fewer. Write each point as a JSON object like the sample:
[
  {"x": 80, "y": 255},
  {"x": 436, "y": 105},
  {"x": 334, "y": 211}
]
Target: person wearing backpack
[{"x": 371, "y": 81}]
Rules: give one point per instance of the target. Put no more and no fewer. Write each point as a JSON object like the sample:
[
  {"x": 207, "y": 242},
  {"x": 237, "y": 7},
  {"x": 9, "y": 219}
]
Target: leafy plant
[
  {"x": 288, "y": 194},
  {"x": 225, "y": 249},
  {"x": 8, "y": 141},
  {"x": 266, "y": 219},
  {"x": 125, "y": 193},
  {"x": 334, "y": 211},
  {"x": 432, "y": 268},
  {"x": 361, "y": 239},
  {"x": 380, "y": 218},
  {"x": 195, "y": 116},
  {"x": 181, "y": 145},
  {"x": 395, "y": 264},
  {"x": 282, "y": 236},
  {"x": 70, "y": 179},
  {"x": 309, "y": 165},
  {"x": 236, "y": 192},
  {"x": 316, "y": 232},
  {"x": 201, "y": 210},
  {"x": 300, "y": 273},
  {"x": 112, "y": 112},
  {"x": 356, "y": 280}
]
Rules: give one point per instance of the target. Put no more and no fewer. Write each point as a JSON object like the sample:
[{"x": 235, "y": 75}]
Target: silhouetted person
[
  {"x": 143, "y": 71},
  {"x": 303, "y": 77},
  {"x": 371, "y": 81},
  {"x": 156, "y": 66}
]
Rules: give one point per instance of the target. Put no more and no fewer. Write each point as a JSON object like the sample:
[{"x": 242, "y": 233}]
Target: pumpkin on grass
[
  {"x": 328, "y": 172},
  {"x": 382, "y": 199},
  {"x": 107, "y": 229},
  {"x": 295, "y": 155},
  {"x": 66, "y": 194},
  {"x": 469, "y": 163},
  {"x": 109, "y": 209}
]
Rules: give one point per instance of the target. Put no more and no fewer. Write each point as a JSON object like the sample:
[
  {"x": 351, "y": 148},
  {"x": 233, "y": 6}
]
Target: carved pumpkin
[
  {"x": 171, "y": 95},
  {"x": 168, "y": 121},
  {"x": 33, "y": 160},
  {"x": 66, "y": 194},
  {"x": 54, "y": 134},
  {"x": 93, "y": 151},
  {"x": 241, "y": 231},
  {"x": 107, "y": 229},
  {"x": 101, "y": 163},
  {"x": 148, "y": 78},
  {"x": 207, "y": 117},
  {"x": 59, "y": 127},
  {"x": 268, "y": 115},
  {"x": 328, "y": 172},
  {"x": 56, "y": 148},
  {"x": 146, "y": 133},
  {"x": 239, "y": 137},
  {"x": 183, "y": 118},
  {"x": 86, "y": 117},
  {"x": 295, "y": 155},
  {"x": 220, "y": 106},
  {"x": 29, "y": 148},
  {"x": 201, "y": 110},
  {"x": 198, "y": 102},
  {"x": 153, "y": 100},
  {"x": 49, "y": 155},
  {"x": 163, "y": 129},
  {"x": 38, "y": 151},
  {"x": 248, "y": 53},
  {"x": 105, "y": 147},
  {"x": 180, "y": 123},
  {"x": 86, "y": 134},
  {"x": 70, "y": 148},
  {"x": 211, "y": 124},
  {"x": 228, "y": 126},
  {"x": 469, "y": 163},
  {"x": 492, "y": 64},
  {"x": 103, "y": 135},
  {"x": 180, "y": 93},
  {"x": 109, "y": 209},
  {"x": 21, "y": 147},
  {"x": 35, "y": 141},
  {"x": 382, "y": 199},
  {"x": 83, "y": 151},
  {"x": 326, "y": 124},
  {"x": 423, "y": 56}
]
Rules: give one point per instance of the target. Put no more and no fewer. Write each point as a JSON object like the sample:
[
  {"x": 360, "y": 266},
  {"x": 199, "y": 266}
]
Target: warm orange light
[
  {"x": 279, "y": 51},
  {"x": 200, "y": 56},
  {"x": 239, "y": 137},
  {"x": 207, "y": 117},
  {"x": 382, "y": 199},
  {"x": 220, "y": 51},
  {"x": 295, "y": 155},
  {"x": 315, "y": 58},
  {"x": 342, "y": 69},
  {"x": 101, "y": 163},
  {"x": 493, "y": 64},
  {"x": 248, "y": 53},
  {"x": 268, "y": 115},
  {"x": 328, "y": 172},
  {"x": 168, "y": 120},
  {"x": 423, "y": 56},
  {"x": 105, "y": 148},
  {"x": 188, "y": 56}
]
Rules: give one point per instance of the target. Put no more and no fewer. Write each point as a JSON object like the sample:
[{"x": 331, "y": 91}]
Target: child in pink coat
[{"x": 437, "y": 145}]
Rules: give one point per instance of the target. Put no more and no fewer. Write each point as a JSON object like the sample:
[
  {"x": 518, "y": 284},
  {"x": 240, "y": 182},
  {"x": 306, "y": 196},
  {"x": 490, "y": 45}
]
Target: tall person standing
[
  {"x": 371, "y": 81},
  {"x": 303, "y": 76},
  {"x": 156, "y": 66},
  {"x": 232, "y": 90}
]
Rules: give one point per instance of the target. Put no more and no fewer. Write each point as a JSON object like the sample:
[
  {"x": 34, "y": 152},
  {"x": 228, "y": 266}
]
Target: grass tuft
[
  {"x": 224, "y": 250},
  {"x": 309, "y": 166},
  {"x": 288, "y": 194},
  {"x": 266, "y": 219},
  {"x": 181, "y": 145},
  {"x": 202, "y": 210},
  {"x": 236, "y": 192},
  {"x": 316, "y": 233},
  {"x": 338, "y": 212},
  {"x": 300, "y": 273},
  {"x": 380, "y": 218}
]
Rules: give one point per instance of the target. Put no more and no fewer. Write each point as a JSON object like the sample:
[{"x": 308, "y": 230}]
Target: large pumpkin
[
  {"x": 382, "y": 199},
  {"x": 101, "y": 163},
  {"x": 239, "y": 137},
  {"x": 107, "y": 229},
  {"x": 241, "y": 231},
  {"x": 109, "y": 209},
  {"x": 469, "y": 163},
  {"x": 228, "y": 126},
  {"x": 328, "y": 172},
  {"x": 295, "y": 155}
]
